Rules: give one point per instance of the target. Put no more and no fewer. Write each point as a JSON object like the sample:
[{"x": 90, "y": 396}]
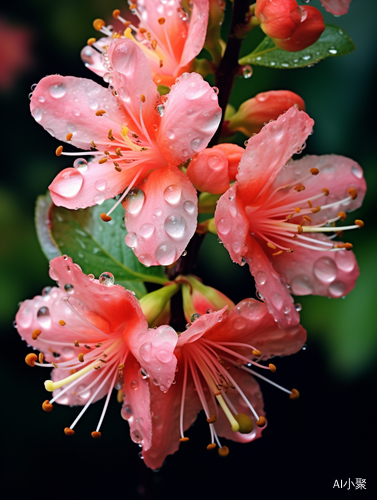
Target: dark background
[{"x": 328, "y": 434}]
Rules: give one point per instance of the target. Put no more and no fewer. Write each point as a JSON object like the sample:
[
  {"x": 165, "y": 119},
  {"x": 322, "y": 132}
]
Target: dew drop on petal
[
  {"x": 172, "y": 194},
  {"x": 43, "y": 317},
  {"x": 101, "y": 185},
  {"x": 345, "y": 260},
  {"x": 196, "y": 90},
  {"x": 145, "y": 259},
  {"x": 131, "y": 240},
  {"x": 302, "y": 285},
  {"x": 175, "y": 225},
  {"x": 134, "y": 201},
  {"x": 277, "y": 300},
  {"x": 195, "y": 143},
  {"x": 127, "y": 412},
  {"x": 134, "y": 385},
  {"x": 136, "y": 436},
  {"x": 325, "y": 269},
  {"x": 81, "y": 164},
  {"x": 68, "y": 184},
  {"x": 76, "y": 112},
  {"x": 145, "y": 351},
  {"x": 93, "y": 105},
  {"x": 57, "y": 91},
  {"x": 337, "y": 289},
  {"x": 189, "y": 207},
  {"x": 239, "y": 323},
  {"x": 261, "y": 278},
  {"x": 164, "y": 355},
  {"x": 91, "y": 277},
  {"x": 165, "y": 253},
  {"x": 41, "y": 98},
  {"x": 170, "y": 134},
  {"x": 146, "y": 230},
  {"x": 106, "y": 279},
  {"x": 99, "y": 199},
  {"x": 46, "y": 290},
  {"x": 223, "y": 226},
  {"x": 143, "y": 374},
  {"x": 157, "y": 212},
  {"x": 124, "y": 94},
  {"x": 357, "y": 172},
  {"x": 37, "y": 114},
  {"x": 69, "y": 288},
  {"x": 298, "y": 307}
]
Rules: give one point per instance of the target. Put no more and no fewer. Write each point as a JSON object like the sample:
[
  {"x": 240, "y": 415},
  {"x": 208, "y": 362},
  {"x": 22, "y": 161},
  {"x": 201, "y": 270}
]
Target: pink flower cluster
[{"x": 148, "y": 149}]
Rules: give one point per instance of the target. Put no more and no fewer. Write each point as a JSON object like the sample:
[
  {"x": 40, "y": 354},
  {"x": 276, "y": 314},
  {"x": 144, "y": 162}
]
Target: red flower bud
[
  {"x": 208, "y": 171},
  {"x": 307, "y": 33},
  {"x": 279, "y": 18},
  {"x": 254, "y": 113},
  {"x": 234, "y": 154}
]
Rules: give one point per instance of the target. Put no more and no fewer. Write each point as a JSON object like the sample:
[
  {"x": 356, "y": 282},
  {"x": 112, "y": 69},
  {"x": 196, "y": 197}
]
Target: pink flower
[
  {"x": 213, "y": 374},
  {"x": 82, "y": 329},
  {"x": 170, "y": 36},
  {"x": 130, "y": 137},
  {"x": 336, "y": 7},
  {"x": 276, "y": 208}
]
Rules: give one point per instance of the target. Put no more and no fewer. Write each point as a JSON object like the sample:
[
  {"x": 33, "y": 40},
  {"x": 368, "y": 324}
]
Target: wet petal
[
  {"x": 68, "y": 105},
  {"x": 336, "y": 7},
  {"x": 161, "y": 217},
  {"x": 191, "y": 117},
  {"x": 92, "y": 59},
  {"x": 197, "y": 31},
  {"x": 202, "y": 326}
]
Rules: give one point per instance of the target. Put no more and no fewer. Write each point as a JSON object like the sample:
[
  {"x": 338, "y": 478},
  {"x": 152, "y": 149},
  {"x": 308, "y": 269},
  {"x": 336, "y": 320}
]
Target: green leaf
[
  {"x": 333, "y": 42},
  {"x": 95, "y": 245}
]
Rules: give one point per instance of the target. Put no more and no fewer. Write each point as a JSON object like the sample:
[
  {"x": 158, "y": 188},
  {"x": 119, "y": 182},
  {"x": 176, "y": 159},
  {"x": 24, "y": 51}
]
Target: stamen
[
  {"x": 261, "y": 422},
  {"x": 342, "y": 216},
  {"x": 69, "y": 136},
  {"x": 62, "y": 322},
  {"x": 314, "y": 171},
  {"x": 96, "y": 435},
  {"x": 294, "y": 394},
  {"x": 184, "y": 439},
  {"x": 98, "y": 24},
  {"x": 325, "y": 191},
  {"x": 91, "y": 41},
  {"x": 211, "y": 419},
  {"x": 68, "y": 431},
  {"x": 105, "y": 218},
  {"x": 31, "y": 359},
  {"x": 46, "y": 406},
  {"x": 40, "y": 357},
  {"x": 353, "y": 193},
  {"x": 359, "y": 223},
  {"x": 272, "y": 367},
  {"x": 161, "y": 20},
  {"x": 211, "y": 446},
  {"x": 35, "y": 334},
  {"x": 100, "y": 112},
  {"x": 59, "y": 150},
  {"x": 223, "y": 452}
]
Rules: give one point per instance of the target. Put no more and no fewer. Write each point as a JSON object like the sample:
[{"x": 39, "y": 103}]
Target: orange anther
[
  {"x": 116, "y": 13},
  {"x": 31, "y": 359},
  {"x": 121, "y": 366},
  {"x": 307, "y": 218},
  {"x": 261, "y": 422},
  {"x": 211, "y": 446},
  {"x": 62, "y": 322},
  {"x": 297, "y": 210},
  {"x": 77, "y": 343},
  {"x": 69, "y": 136},
  {"x": 299, "y": 229},
  {"x": 118, "y": 152},
  {"x": 100, "y": 112},
  {"x": 256, "y": 352},
  {"x": 35, "y": 334},
  {"x": 314, "y": 171},
  {"x": 72, "y": 371},
  {"x": 272, "y": 367},
  {"x": 59, "y": 150},
  {"x": 342, "y": 215},
  {"x": 90, "y": 41},
  {"x": 142, "y": 98},
  {"x": 105, "y": 218},
  {"x": 271, "y": 245},
  {"x": 96, "y": 435},
  {"x": 325, "y": 191},
  {"x": 211, "y": 419},
  {"x": 359, "y": 223},
  {"x": 98, "y": 24},
  {"x": 183, "y": 440},
  {"x": 339, "y": 234},
  {"x": 117, "y": 168},
  {"x": 154, "y": 44},
  {"x": 46, "y": 406},
  {"x": 353, "y": 193},
  {"x": 68, "y": 431},
  {"x": 161, "y": 20},
  {"x": 81, "y": 357},
  {"x": 294, "y": 394},
  {"x": 279, "y": 252},
  {"x": 161, "y": 63},
  {"x": 110, "y": 136},
  {"x": 348, "y": 246},
  {"x": 99, "y": 344},
  {"x": 310, "y": 204},
  {"x": 142, "y": 30},
  {"x": 299, "y": 188},
  {"x": 40, "y": 358},
  {"x": 316, "y": 210},
  {"x": 223, "y": 452},
  {"x": 92, "y": 145},
  {"x": 102, "y": 160}
]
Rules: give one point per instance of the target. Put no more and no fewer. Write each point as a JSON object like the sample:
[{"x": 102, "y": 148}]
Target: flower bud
[
  {"x": 262, "y": 108},
  {"x": 156, "y": 305},
  {"x": 199, "y": 298},
  {"x": 208, "y": 171},
  {"x": 233, "y": 154},
  {"x": 279, "y": 19},
  {"x": 307, "y": 33}
]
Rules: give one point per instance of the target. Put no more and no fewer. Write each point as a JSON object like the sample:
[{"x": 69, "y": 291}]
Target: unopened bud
[
  {"x": 278, "y": 19},
  {"x": 208, "y": 171}
]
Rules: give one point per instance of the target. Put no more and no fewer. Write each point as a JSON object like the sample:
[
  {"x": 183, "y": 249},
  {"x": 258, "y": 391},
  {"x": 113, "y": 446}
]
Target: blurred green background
[{"x": 309, "y": 443}]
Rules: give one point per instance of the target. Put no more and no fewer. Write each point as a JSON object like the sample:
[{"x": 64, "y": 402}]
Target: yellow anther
[
  {"x": 310, "y": 204},
  {"x": 271, "y": 245},
  {"x": 316, "y": 210},
  {"x": 297, "y": 210},
  {"x": 342, "y": 215},
  {"x": 116, "y": 13},
  {"x": 110, "y": 135},
  {"x": 359, "y": 223},
  {"x": 142, "y": 30},
  {"x": 353, "y": 193},
  {"x": 299, "y": 188},
  {"x": 100, "y": 112},
  {"x": 90, "y": 41},
  {"x": 278, "y": 253},
  {"x": 142, "y": 98},
  {"x": 256, "y": 352},
  {"x": 102, "y": 160},
  {"x": 325, "y": 191},
  {"x": 212, "y": 419},
  {"x": 161, "y": 63},
  {"x": 81, "y": 357},
  {"x": 120, "y": 395},
  {"x": 245, "y": 423},
  {"x": 211, "y": 446},
  {"x": 121, "y": 366}
]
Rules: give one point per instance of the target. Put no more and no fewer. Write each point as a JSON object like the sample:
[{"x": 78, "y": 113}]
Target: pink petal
[
  {"x": 89, "y": 184},
  {"x": 251, "y": 389},
  {"x": 65, "y": 105},
  {"x": 197, "y": 31},
  {"x": 191, "y": 117},
  {"x": 336, "y": 173},
  {"x": 267, "y": 153},
  {"x": 165, "y": 421},
  {"x": 154, "y": 349},
  {"x": 132, "y": 79},
  {"x": 92, "y": 59},
  {"x": 162, "y": 218},
  {"x": 201, "y": 326},
  {"x": 251, "y": 323},
  {"x": 136, "y": 404},
  {"x": 309, "y": 272},
  {"x": 336, "y": 7}
]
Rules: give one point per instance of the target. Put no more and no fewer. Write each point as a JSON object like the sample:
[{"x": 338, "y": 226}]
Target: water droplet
[
  {"x": 345, "y": 260},
  {"x": 325, "y": 269},
  {"x": 165, "y": 253},
  {"x": 76, "y": 112},
  {"x": 127, "y": 412},
  {"x": 261, "y": 277},
  {"x": 302, "y": 285},
  {"x": 170, "y": 134},
  {"x": 106, "y": 279},
  {"x": 134, "y": 385},
  {"x": 145, "y": 259},
  {"x": 333, "y": 51},
  {"x": 140, "y": 455},
  {"x": 189, "y": 207},
  {"x": 57, "y": 91},
  {"x": 124, "y": 94},
  {"x": 223, "y": 226},
  {"x": 101, "y": 185},
  {"x": 68, "y": 184},
  {"x": 43, "y": 317},
  {"x": 131, "y": 240},
  {"x": 298, "y": 307},
  {"x": 195, "y": 143},
  {"x": 142, "y": 373},
  {"x": 91, "y": 277},
  {"x": 194, "y": 317},
  {"x": 69, "y": 288},
  {"x": 99, "y": 199},
  {"x": 304, "y": 347},
  {"x": 157, "y": 212},
  {"x": 81, "y": 164},
  {"x": 145, "y": 351},
  {"x": 160, "y": 109},
  {"x": 357, "y": 172},
  {"x": 277, "y": 300},
  {"x": 259, "y": 295},
  {"x": 164, "y": 356},
  {"x": 68, "y": 352},
  {"x": 175, "y": 225},
  {"x": 41, "y": 98},
  {"x": 239, "y": 323},
  {"x": 146, "y": 230},
  {"x": 46, "y": 291},
  {"x": 134, "y": 201},
  {"x": 247, "y": 71},
  {"x": 337, "y": 289},
  {"x": 93, "y": 105},
  {"x": 37, "y": 114},
  {"x": 196, "y": 90},
  {"x": 172, "y": 194},
  {"x": 286, "y": 308}
]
